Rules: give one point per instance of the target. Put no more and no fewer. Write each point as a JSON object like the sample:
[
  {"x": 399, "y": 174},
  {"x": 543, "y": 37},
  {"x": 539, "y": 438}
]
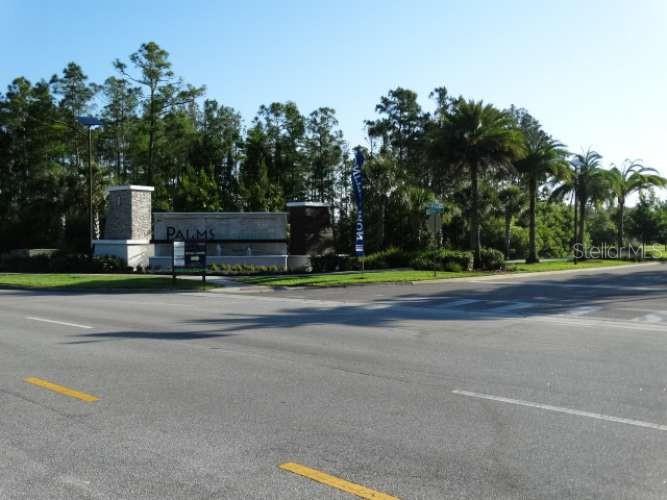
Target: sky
[{"x": 593, "y": 72}]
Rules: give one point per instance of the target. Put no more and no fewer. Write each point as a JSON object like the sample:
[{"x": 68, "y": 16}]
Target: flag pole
[{"x": 358, "y": 189}]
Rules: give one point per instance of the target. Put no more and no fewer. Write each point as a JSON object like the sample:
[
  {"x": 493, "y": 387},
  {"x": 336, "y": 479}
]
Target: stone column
[
  {"x": 127, "y": 231},
  {"x": 128, "y": 213}
]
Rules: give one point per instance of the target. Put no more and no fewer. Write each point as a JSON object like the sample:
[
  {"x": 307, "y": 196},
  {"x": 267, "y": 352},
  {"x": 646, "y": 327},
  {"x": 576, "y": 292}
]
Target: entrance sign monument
[
  {"x": 231, "y": 238},
  {"x": 284, "y": 240}
]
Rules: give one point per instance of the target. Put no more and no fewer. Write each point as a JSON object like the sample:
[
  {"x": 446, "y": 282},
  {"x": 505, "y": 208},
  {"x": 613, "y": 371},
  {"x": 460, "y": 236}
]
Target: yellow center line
[
  {"x": 335, "y": 482},
  {"x": 66, "y": 391}
]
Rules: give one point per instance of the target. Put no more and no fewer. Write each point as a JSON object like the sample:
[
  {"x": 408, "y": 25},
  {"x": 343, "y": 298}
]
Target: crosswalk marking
[
  {"x": 435, "y": 298},
  {"x": 463, "y": 302},
  {"x": 445, "y": 306},
  {"x": 601, "y": 324},
  {"x": 512, "y": 306},
  {"x": 649, "y": 318},
  {"x": 582, "y": 311}
]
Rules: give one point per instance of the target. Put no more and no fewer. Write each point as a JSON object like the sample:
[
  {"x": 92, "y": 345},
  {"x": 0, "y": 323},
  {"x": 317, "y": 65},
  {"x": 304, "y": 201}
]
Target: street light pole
[
  {"x": 90, "y": 122},
  {"x": 91, "y": 222}
]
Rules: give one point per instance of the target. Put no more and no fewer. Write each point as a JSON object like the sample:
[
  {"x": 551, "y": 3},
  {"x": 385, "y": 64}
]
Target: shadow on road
[
  {"x": 146, "y": 335},
  {"x": 486, "y": 302}
]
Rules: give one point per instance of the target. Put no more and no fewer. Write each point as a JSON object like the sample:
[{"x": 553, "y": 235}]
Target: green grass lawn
[
  {"x": 96, "y": 282},
  {"x": 146, "y": 282},
  {"x": 408, "y": 275},
  {"x": 353, "y": 278},
  {"x": 564, "y": 265}
]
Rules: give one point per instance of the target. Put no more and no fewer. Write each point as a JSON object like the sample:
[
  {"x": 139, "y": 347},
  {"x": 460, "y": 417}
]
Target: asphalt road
[{"x": 539, "y": 387}]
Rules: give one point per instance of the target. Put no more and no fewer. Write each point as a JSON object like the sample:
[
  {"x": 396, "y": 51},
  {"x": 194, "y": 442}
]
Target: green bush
[
  {"x": 655, "y": 254},
  {"x": 61, "y": 262},
  {"x": 490, "y": 259},
  {"x": 330, "y": 263},
  {"x": 390, "y": 258},
  {"x": 443, "y": 260},
  {"x": 385, "y": 259},
  {"x": 244, "y": 269},
  {"x": 430, "y": 260},
  {"x": 108, "y": 264},
  {"x": 454, "y": 267},
  {"x": 16, "y": 264}
]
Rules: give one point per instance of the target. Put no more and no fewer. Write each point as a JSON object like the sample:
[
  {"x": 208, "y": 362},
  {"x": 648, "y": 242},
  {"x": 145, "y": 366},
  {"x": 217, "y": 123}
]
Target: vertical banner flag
[{"x": 358, "y": 188}]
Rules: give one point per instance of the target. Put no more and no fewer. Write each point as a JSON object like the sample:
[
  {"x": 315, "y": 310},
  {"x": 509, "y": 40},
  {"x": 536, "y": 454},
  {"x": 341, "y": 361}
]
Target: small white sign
[{"x": 179, "y": 253}]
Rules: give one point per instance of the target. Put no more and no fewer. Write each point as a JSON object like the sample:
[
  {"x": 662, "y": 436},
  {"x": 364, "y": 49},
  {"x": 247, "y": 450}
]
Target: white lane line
[
  {"x": 560, "y": 409},
  {"x": 76, "y": 325}
]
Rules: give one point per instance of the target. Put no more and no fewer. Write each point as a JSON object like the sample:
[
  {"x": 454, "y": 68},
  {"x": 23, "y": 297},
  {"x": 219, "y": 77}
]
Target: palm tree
[
  {"x": 564, "y": 187},
  {"x": 631, "y": 177},
  {"x": 512, "y": 201},
  {"x": 587, "y": 182},
  {"x": 479, "y": 138},
  {"x": 545, "y": 157}
]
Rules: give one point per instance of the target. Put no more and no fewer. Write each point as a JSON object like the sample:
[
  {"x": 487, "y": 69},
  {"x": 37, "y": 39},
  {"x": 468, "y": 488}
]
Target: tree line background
[{"x": 505, "y": 182}]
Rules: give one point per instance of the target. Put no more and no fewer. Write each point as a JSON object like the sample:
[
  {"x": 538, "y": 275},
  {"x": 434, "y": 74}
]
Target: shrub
[
  {"x": 390, "y": 258},
  {"x": 23, "y": 264},
  {"x": 109, "y": 264},
  {"x": 443, "y": 260},
  {"x": 234, "y": 269},
  {"x": 454, "y": 267},
  {"x": 655, "y": 254},
  {"x": 325, "y": 263},
  {"x": 329, "y": 263},
  {"x": 61, "y": 262},
  {"x": 384, "y": 259},
  {"x": 490, "y": 259}
]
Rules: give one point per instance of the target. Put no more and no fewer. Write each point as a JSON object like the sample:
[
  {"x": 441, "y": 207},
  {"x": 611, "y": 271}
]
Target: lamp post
[{"x": 90, "y": 122}]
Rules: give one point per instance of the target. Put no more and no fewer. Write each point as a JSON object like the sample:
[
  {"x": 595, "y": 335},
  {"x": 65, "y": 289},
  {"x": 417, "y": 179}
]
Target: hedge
[
  {"x": 429, "y": 260},
  {"x": 330, "y": 263},
  {"x": 242, "y": 269},
  {"x": 389, "y": 259},
  {"x": 60, "y": 262},
  {"x": 444, "y": 260}
]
